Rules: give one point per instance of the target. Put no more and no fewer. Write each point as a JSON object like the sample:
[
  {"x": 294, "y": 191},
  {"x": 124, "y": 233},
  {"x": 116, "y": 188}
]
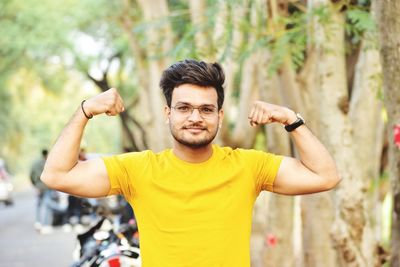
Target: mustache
[{"x": 195, "y": 126}]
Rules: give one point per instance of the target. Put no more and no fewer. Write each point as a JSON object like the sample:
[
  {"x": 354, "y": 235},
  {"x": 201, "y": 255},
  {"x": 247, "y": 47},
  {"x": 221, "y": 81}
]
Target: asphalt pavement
[{"x": 22, "y": 246}]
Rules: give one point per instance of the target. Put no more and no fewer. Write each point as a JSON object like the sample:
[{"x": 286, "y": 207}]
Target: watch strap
[{"x": 291, "y": 127}]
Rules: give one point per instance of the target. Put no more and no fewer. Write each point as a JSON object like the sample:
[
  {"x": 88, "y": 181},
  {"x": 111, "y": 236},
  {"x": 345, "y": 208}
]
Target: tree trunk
[
  {"x": 203, "y": 36},
  {"x": 242, "y": 135},
  {"x": 365, "y": 104},
  {"x": 317, "y": 210},
  {"x": 351, "y": 228},
  {"x": 236, "y": 15},
  {"x": 390, "y": 56},
  {"x": 159, "y": 42},
  {"x": 280, "y": 209}
]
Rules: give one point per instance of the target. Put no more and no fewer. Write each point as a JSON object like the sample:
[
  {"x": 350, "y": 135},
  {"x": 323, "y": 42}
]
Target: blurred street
[{"x": 22, "y": 246}]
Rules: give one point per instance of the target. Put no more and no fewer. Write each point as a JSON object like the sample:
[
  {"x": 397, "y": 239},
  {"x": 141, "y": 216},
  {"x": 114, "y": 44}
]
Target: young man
[{"x": 193, "y": 203}]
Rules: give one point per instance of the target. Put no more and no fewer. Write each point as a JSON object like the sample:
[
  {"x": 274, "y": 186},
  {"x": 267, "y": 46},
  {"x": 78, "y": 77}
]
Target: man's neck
[{"x": 192, "y": 155}]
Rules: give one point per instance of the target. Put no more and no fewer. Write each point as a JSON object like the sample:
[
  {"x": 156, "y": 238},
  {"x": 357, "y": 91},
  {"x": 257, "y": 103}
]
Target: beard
[{"x": 193, "y": 141}]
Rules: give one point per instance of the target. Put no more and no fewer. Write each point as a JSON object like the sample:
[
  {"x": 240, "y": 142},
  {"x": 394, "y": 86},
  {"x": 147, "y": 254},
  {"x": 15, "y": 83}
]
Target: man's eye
[
  {"x": 207, "y": 110},
  {"x": 183, "y": 108}
]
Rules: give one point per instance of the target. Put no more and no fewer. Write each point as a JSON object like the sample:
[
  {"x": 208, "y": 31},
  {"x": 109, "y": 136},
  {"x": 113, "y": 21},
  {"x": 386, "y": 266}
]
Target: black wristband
[
  {"x": 291, "y": 127},
  {"x": 83, "y": 110}
]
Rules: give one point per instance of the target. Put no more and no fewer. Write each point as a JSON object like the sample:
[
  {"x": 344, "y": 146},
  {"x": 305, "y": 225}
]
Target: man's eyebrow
[
  {"x": 180, "y": 102},
  {"x": 187, "y": 103},
  {"x": 208, "y": 105}
]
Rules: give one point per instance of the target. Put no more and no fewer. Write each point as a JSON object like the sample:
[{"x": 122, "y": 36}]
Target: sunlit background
[{"x": 321, "y": 58}]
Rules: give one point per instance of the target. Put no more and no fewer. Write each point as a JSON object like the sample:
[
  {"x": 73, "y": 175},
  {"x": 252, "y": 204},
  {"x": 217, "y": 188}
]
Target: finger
[
  {"x": 120, "y": 108},
  {"x": 260, "y": 117},
  {"x": 117, "y": 101},
  {"x": 114, "y": 95},
  {"x": 253, "y": 119},
  {"x": 121, "y": 104},
  {"x": 117, "y": 108},
  {"x": 253, "y": 123},
  {"x": 267, "y": 118},
  {"x": 112, "y": 111},
  {"x": 252, "y": 112}
]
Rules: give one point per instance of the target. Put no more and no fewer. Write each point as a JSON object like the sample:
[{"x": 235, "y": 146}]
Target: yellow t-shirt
[{"x": 193, "y": 214}]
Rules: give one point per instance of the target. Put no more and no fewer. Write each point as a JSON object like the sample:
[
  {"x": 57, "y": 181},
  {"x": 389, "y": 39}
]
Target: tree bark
[
  {"x": 390, "y": 55},
  {"x": 236, "y": 15},
  {"x": 159, "y": 42},
  {"x": 301, "y": 94},
  {"x": 365, "y": 104},
  {"x": 351, "y": 228},
  {"x": 203, "y": 36},
  {"x": 280, "y": 209},
  {"x": 242, "y": 135}
]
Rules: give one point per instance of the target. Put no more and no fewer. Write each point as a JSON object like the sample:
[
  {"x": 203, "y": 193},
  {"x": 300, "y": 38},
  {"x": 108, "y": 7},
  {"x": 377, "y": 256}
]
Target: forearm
[
  {"x": 64, "y": 154},
  {"x": 315, "y": 171},
  {"x": 313, "y": 154}
]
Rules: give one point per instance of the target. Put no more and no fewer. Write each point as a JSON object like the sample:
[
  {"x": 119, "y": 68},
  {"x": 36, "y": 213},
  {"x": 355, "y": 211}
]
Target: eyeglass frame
[{"x": 192, "y": 108}]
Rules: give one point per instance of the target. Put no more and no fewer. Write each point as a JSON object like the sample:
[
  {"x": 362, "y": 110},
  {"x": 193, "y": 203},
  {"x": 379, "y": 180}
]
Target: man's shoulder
[
  {"x": 228, "y": 151},
  {"x": 245, "y": 153},
  {"x": 234, "y": 150},
  {"x": 139, "y": 155}
]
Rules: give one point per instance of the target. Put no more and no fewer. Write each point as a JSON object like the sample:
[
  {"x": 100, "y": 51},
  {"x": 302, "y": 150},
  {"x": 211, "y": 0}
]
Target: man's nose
[{"x": 195, "y": 115}]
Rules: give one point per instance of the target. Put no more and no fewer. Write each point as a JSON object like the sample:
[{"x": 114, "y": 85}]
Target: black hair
[{"x": 193, "y": 72}]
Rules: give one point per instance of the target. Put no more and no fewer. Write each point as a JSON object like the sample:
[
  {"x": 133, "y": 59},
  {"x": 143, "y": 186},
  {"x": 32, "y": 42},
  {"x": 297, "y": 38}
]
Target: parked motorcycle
[{"x": 108, "y": 243}]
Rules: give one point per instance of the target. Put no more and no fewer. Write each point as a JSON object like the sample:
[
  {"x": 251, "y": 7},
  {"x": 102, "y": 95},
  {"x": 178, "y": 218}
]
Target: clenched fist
[
  {"x": 108, "y": 102},
  {"x": 264, "y": 113}
]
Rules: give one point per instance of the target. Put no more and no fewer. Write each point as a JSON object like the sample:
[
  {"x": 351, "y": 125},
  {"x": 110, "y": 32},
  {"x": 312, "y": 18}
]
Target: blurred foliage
[
  {"x": 360, "y": 26},
  {"x": 40, "y": 83},
  {"x": 48, "y": 50}
]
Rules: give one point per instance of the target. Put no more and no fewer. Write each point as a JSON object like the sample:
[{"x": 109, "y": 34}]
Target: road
[{"x": 22, "y": 246}]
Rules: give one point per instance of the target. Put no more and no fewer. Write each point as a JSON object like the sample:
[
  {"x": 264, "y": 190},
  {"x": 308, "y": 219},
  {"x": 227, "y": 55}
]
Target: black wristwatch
[{"x": 300, "y": 121}]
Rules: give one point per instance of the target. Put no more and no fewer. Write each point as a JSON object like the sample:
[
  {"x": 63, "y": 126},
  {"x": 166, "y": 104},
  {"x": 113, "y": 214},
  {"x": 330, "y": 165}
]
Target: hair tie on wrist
[{"x": 83, "y": 110}]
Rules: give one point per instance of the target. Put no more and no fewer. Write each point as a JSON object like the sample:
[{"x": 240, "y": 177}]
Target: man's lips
[{"x": 194, "y": 129}]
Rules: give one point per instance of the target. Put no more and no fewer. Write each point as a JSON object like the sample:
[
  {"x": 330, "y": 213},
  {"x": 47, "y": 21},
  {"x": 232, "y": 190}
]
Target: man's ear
[
  {"x": 167, "y": 113},
  {"x": 220, "y": 117}
]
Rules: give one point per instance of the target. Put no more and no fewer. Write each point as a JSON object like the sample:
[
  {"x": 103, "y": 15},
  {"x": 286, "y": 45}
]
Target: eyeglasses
[{"x": 187, "y": 110}]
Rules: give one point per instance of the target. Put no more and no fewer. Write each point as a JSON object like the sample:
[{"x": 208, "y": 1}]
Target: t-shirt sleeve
[
  {"x": 120, "y": 173},
  {"x": 266, "y": 166}
]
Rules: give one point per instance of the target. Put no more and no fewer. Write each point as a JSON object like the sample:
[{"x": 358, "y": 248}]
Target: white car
[{"x": 6, "y": 187}]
